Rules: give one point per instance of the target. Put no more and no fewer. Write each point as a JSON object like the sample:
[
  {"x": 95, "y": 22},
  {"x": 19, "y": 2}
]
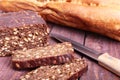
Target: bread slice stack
[{"x": 53, "y": 62}]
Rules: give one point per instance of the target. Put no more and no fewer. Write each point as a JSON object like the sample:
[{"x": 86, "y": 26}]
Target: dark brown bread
[
  {"x": 21, "y": 30},
  {"x": 67, "y": 71},
  {"x": 53, "y": 54}
]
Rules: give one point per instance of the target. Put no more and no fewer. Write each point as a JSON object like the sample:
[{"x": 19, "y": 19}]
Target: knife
[{"x": 103, "y": 59}]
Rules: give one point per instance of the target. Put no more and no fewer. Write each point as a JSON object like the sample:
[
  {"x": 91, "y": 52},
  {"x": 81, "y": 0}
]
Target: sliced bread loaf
[{"x": 21, "y": 30}]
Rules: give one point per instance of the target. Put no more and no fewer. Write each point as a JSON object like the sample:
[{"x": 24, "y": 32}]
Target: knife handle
[{"x": 110, "y": 63}]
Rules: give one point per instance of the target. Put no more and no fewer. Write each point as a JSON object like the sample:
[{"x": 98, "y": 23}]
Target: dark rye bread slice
[
  {"x": 68, "y": 71},
  {"x": 21, "y": 30},
  {"x": 49, "y": 55}
]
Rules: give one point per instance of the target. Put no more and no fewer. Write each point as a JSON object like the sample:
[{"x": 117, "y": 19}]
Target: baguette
[
  {"x": 97, "y": 16},
  {"x": 21, "y": 30},
  {"x": 16, "y": 5},
  {"x": 41, "y": 56},
  {"x": 68, "y": 71},
  {"x": 89, "y": 18}
]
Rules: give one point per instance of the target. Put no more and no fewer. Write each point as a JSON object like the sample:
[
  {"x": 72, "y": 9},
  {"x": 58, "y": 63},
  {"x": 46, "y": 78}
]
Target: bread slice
[
  {"x": 67, "y": 71},
  {"x": 22, "y": 30},
  {"x": 53, "y": 54}
]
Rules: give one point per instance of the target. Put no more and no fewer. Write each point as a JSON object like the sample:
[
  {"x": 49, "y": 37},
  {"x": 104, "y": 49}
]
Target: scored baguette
[
  {"x": 41, "y": 56},
  {"x": 92, "y": 15},
  {"x": 68, "y": 71},
  {"x": 88, "y": 18},
  {"x": 16, "y": 5}
]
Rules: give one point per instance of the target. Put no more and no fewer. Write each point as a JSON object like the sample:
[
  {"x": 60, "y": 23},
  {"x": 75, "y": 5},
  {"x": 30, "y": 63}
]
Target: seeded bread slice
[
  {"x": 22, "y": 30},
  {"x": 67, "y": 71},
  {"x": 53, "y": 54}
]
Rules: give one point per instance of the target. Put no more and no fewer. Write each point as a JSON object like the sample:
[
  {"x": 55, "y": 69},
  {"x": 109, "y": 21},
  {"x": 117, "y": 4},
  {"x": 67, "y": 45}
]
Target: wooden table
[{"x": 91, "y": 40}]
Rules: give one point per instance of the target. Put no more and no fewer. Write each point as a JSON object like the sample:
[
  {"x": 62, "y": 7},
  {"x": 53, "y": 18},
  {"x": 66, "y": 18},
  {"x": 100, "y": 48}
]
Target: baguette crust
[
  {"x": 88, "y": 18},
  {"x": 98, "y": 16},
  {"x": 17, "y": 5}
]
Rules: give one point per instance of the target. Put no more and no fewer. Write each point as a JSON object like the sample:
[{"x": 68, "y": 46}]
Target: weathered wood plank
[
  {"x": 6, "y": 70},
  {"x": 101, "y": 44},
  {"x": 74, "y": 34}
]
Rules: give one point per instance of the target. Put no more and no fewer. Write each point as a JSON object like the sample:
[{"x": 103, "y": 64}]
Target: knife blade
[
  {"x": 78, "y": 47},
  {"x": 104, "y": 59}
]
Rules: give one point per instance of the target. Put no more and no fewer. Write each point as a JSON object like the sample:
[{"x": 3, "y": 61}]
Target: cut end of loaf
[{"x": 20, "y": 31}]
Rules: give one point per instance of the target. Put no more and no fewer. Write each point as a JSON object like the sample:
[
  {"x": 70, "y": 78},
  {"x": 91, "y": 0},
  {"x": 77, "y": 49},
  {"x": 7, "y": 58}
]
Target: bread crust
[
  {"x": 87, "y": 18},
  {"x": 97, "y": 16},
  {"x": 56, "y": 60}
]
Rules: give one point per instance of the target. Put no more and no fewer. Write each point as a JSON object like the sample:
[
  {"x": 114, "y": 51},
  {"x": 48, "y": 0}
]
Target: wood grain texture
[
  {"x": 101, "y": 44},
  {"x": 91, "y": 40},
  {"x": 70, "y": 33},
  {"x": 6, "y": 70}
]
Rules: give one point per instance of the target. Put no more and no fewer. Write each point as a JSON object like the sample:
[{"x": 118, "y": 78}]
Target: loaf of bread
[
  {"x": 68, "y": 71},
  {"x": 41, "y": 56},
  {"x": 99, "y": 16},
  {"x": 102, "y": 20},
  {"x": 16, "y": 5},
  {"x": 21, "y": 30}
]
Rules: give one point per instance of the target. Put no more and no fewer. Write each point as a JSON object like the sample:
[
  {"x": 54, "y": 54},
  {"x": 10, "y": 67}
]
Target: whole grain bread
[
  {"x": 22, "y": 30},
  {"x": 68, "y": 71},
  {"x": 41, "y": 56}
]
